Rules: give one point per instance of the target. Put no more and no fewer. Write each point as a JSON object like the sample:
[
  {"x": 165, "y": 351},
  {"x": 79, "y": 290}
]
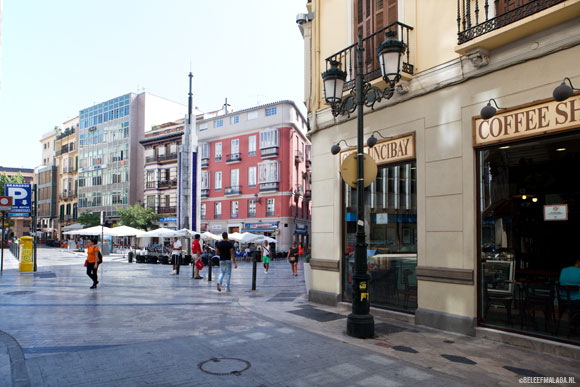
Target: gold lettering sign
[
  {"x": 529, "y": 120},
  {"x": 388, "y": 151}
]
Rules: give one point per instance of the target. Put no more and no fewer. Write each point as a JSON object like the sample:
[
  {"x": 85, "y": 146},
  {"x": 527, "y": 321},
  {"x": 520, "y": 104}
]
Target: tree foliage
[
  {"x": 5, "y": 179},
  {"x": 89, "y": 219},
  {"x": 138, "y": 217}
]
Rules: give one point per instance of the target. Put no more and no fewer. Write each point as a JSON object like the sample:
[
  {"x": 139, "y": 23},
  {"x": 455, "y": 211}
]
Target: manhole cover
[
  {"x": 19, "y": 293},
  {"x": 224, "y": 366}
]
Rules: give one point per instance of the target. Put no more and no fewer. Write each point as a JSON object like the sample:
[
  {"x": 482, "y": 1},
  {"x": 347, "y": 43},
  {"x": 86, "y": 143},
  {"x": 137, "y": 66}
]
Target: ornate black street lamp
[{"x": 360, "y": 323}]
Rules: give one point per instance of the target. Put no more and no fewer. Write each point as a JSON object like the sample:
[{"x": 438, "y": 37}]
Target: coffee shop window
[
  {"x": 529, "y": 195},
  {"x": 391, "y": 236}
]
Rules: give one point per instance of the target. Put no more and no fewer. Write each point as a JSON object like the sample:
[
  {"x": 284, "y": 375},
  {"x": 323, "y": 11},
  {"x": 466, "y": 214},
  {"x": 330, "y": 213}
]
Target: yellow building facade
[
  {"x": 456, "y": 229},
  {"x": 66, "y": 144}
]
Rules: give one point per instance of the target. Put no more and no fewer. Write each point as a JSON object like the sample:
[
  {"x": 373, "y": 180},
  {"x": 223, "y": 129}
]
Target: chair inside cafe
[{"x": 529, "y": 204}]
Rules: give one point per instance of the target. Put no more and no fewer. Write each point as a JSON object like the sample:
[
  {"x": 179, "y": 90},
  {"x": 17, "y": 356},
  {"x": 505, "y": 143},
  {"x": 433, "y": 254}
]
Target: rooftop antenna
[{"x": 226, "y": 104}]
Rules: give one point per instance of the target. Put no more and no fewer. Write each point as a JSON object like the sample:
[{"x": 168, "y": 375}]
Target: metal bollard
[
  {"x": 209, "y": 269},
  {"x": 254, "y": 269}
]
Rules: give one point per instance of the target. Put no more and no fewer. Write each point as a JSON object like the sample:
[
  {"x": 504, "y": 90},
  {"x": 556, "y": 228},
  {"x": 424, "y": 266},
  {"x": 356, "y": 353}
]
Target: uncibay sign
[
  {"x": 390, "y": 151},
  {"x": 544, "y": 117}
]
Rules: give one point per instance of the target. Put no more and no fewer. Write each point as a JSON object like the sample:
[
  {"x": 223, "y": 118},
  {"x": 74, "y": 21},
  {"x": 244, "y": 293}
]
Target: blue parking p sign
[{"x": 21, "y": 196}]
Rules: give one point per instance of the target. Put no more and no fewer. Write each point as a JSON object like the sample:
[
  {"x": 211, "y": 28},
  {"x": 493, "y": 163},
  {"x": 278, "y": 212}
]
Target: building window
[
  {"x": 268, "y": 171},
  {"x": 218, "y": 124},
  {"x": 391, "y": 212},
  {"x": 205, "y": 180},
  {"x": 234, "y": 209},
  {"x": 218, "y": 181},
  {"x": 269, "y": 138},
  {"x": 235, "y": 146},
  {"x": 235, "y": 178},
  {"x": 270, "y": 207},
  {"x": 205, "y": 151},
  {"x": 218, "y": 151},
  {"x": 271, "y": 111},
  {"x": 251, "y": 208},
  {"x": 235, "y": 120},
  {"x": 203, "y": 126},
  {"x": 151, "y": 201},
  {"x": 252, "y": 146},
  {"x": 217, "y": 210},
  {"x": 251, "y": 176},
  {"x": 202, "y": 211}
]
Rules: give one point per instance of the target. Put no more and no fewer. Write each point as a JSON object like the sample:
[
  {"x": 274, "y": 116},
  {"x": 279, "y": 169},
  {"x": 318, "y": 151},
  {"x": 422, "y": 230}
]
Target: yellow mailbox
[{"x": 26, "y": 263}]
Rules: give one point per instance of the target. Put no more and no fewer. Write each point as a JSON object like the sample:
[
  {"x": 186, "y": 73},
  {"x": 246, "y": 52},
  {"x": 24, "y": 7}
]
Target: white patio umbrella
[
  {"x": 165, "y": 233},
  {"x": 262, "y": 238},
  {"x": 92, "y": 231},
  {"x": 245, "y": 237},
  {"x": 123, "y": 231},
  {"x": 209, "y": 235},
  {"x": 72, "y": 227}
]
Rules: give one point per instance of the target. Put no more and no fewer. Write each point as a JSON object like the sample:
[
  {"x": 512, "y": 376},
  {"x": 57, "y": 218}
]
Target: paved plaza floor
[{"x": 143, "y": 327}]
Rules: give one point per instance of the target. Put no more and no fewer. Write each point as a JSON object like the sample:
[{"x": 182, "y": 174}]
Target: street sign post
[
  {"x": 21, "y": 197},
  {"x": 5, "y": 205}
]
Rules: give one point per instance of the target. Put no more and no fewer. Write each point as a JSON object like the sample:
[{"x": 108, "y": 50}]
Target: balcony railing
[
  {"x": 204, "y": 162},
  {"x": 269, "y": 152},
  {"x": 234, "y": 158},
  {"x": 299, "y": 189},
  {"x": 217, "y": 216},
  {"x": 308, "y": 193},
  {"x": 69, "y": 169},
  {"x": 269, "y": 213},
  {"x": 67, "y": 194},
  {"x": 167, "y": 210},
  {"x": 234, "y": 190},
  {"x": 167, "y": 183},
  {"x": 161, "y": 158},
  {"x": 347, "y": 57},
  {"x": 298, "y": 156},
  {"x": 265, "y": 187},
  {"x": 205, "y": 193},
  {"x": 478, "y": 17},
  {"x": 308, "y": 163},
  {"x": 151, "y": 184}
]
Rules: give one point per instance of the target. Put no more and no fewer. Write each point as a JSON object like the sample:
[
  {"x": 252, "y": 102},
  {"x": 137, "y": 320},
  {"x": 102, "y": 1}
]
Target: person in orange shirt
[{"x": 92, "y": 262}]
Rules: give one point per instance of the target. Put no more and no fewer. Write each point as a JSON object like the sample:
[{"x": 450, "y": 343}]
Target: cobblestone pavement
[{"x": 145, "y": 327}]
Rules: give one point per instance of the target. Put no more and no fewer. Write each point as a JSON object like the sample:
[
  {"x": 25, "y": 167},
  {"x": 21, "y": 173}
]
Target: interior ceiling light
[{"x": 560, "y": 149}]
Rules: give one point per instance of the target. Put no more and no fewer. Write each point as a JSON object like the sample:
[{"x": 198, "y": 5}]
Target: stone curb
[{"x": 18, "y": 370}]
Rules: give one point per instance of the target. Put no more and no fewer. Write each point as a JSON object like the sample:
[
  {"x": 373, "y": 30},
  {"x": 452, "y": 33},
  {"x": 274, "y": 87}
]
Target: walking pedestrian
[
  {"x": 196, "y": 251},
  {"x": 92, "y": 262},
  {"x": 226, "y": 250},
  {"x": 293, "y": 258},
  {"x": 266, "y": 256},
  {"x": 176, "y": 255}
]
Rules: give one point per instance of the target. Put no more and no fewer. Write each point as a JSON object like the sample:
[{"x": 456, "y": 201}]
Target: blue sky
[{"x": 61, "y": 56}]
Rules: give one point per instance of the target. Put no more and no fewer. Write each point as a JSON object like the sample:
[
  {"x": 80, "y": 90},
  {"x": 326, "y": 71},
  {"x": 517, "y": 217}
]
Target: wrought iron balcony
[
  {"x": 299, "y": 189},
  {"x": 161, "y": 158},
  {"x": 234, "y": 190},
  {"x": 67, "y": 194},
  {"x": 478, "y": 17},
  {"x": 266, "y": 187},
  {"x": 269, "y": 152},
  {"x": 69, "y": 170},
  {"x": 205, "y": 162},
  {"x": 347, "y": 57},
  {"x": 205, "y": 193},
  {"x": 298, "y": 156},
  {"x": 217, "y": 216},
  {"x": 167, "y": 210},
  {"x": 308, "y": 193},
  {"x": 151, "y": 184},
  {"x": 234, "y": 158},
  {"x": 167, "y": 183},
  {"x": 270, "y": 213}
]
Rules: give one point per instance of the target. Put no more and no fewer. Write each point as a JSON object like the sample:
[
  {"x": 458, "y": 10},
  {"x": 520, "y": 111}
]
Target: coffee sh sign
[
  {"x": 389, "y": 151},
  {"x": 528, "y": 120}
]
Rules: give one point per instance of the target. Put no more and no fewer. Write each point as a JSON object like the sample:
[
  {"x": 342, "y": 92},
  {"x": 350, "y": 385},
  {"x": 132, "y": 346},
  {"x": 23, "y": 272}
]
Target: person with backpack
[
  {"x": 266, "y": 256},
  {"x": 94, "y": 258}
]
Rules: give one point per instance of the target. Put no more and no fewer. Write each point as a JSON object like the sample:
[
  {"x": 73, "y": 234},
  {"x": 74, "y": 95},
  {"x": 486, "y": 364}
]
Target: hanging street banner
[{"x": 21, "y": 197}]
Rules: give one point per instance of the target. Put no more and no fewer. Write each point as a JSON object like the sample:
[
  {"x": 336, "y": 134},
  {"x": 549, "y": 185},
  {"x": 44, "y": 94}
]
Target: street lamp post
[{"x": 360, "y": 322}]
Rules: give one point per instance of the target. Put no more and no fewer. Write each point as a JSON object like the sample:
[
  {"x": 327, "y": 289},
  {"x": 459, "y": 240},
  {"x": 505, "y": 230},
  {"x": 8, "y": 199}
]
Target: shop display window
[
  {"x": 391, "y": 236},
  {"x": 529, "y": 212}
]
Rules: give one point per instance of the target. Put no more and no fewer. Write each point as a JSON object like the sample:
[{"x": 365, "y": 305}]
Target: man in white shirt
[{"x": 176, "y": 255}]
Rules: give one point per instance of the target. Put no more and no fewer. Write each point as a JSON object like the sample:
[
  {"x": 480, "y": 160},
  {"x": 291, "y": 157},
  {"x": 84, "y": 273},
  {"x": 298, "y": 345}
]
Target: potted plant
[{"x": 308, "y": 272}]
